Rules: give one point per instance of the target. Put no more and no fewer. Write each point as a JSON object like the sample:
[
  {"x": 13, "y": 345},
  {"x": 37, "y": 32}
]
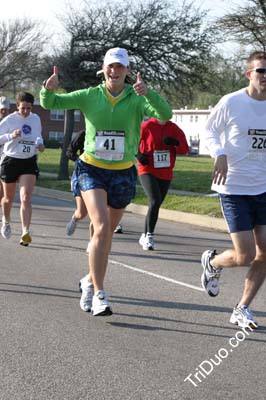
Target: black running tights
[{"x": 156, "y": 190}]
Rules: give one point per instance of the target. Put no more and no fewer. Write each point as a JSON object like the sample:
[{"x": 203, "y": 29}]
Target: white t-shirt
[
  {"x": 24, "y": 146},
  {"x": 237, "y": 127}
]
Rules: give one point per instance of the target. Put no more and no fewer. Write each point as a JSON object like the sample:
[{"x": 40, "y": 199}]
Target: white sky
[
  {"x": 44, "y": 10},
  {"x": 47, "y": 10},
  {"x": 41, "y": 9}
]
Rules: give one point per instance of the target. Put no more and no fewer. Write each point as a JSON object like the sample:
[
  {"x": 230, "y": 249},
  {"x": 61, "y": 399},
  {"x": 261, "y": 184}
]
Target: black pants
[{"x": 156, "y": 189}]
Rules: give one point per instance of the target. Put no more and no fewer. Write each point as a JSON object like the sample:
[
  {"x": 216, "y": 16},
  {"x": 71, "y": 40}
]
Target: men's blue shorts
[{"x": 243, "y": 212}]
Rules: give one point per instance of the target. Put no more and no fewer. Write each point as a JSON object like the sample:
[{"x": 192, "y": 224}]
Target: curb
[{"x": 171, "y": 215}]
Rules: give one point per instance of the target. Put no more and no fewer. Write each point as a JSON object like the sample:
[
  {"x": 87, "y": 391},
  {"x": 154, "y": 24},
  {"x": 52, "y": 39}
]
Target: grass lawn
[
  {"x": 191, "y": 174},
  {"x": 49, "y": 161}
]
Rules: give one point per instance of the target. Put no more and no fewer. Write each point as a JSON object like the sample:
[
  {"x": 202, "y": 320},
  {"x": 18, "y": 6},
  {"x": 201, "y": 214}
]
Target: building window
[
  {"x": 57, "y": 115},
  {"x": 77, "y": 116},
  {"x": 191, "y": 118},
  {"x": 55, "y": 135},
  {"x": 196, "y": 118}
]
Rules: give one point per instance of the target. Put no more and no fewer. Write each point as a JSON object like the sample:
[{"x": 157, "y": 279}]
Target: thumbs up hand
[
  {"x": 140, "y": 87},
  {"x": 52, "y": 82}
]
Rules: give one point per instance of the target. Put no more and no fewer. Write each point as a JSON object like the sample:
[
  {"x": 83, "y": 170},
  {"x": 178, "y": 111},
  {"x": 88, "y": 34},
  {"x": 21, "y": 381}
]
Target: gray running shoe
[
  {"x": 6, "y": 230},
  {"x": 71, "y": 227},
  {"x": 210, "y": 276},
  {"x": 243, "y": 317}
]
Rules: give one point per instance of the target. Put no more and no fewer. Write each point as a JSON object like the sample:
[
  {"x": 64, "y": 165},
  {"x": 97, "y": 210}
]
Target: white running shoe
[
  {"x": 147, "y": 241},
  {"x": 142, "y": 241},
  {"x": 243, "y": 317},
  {"x": 87, "y": 292},
  {"x": 100, "y": 305},
  {"x": 83, "y": 281},
  {"x": 25, "y": 239},
  {"x": 210, "y": 276},
  {"x": 71, "y": 227},
  {"x": 6, "y": 230}
]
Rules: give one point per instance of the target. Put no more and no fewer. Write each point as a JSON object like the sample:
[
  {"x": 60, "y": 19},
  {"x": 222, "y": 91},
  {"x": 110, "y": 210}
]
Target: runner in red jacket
[{"x": 160, "y": 142}]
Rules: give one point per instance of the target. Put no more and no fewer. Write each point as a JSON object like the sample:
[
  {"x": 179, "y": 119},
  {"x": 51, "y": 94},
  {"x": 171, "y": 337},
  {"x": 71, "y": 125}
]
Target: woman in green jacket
[{"x": 106, "y": 173}]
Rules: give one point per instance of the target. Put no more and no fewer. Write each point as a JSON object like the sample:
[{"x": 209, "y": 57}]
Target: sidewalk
[{"x": 177, "y": 216}]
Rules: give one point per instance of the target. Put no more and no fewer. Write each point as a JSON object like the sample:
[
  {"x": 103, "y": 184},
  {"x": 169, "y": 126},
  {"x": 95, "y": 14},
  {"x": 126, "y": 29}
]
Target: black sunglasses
[{"x": 259, "y": 70}]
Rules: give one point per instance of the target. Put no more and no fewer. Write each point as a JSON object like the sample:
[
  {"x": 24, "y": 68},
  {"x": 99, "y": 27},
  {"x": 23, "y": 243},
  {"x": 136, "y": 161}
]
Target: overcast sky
[
  {"x": 33, "y": 8},
  {"x": 47, "y": 10}
]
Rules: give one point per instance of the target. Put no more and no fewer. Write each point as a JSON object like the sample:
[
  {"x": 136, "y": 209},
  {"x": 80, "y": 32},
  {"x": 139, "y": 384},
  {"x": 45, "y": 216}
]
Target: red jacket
[{"x": 161, "y": 156}]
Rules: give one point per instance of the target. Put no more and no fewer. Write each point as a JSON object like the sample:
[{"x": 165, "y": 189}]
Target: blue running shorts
[
  {"x": 75, "y": 185},
  {"x": 120, "y": 185},
  {"x": 243, "y": 212}
]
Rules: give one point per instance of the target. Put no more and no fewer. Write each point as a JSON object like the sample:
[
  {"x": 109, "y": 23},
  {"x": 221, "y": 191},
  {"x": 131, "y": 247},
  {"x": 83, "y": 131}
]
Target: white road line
[{"x": 142, "y": 271}]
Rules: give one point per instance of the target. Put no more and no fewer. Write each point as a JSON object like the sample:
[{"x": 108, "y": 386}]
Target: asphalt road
[{"x": 167, "y": 340}]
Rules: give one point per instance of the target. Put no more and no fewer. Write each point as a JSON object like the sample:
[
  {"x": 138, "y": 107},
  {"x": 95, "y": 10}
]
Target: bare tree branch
[
  {"x": 247, "y": 24},
  {"x": 170, "y": 44},
  {"x": 21, "y": 44}
]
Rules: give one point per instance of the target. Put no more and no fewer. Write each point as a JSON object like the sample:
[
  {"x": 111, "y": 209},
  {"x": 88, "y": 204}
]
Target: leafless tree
[
  {"x": 169, "y": 43},
  {"x": 21, "y": 44},
  {"x": 247, "y": 24}
]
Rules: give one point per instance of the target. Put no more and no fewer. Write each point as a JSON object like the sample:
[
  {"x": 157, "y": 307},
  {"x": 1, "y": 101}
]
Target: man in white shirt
[{"x": 236, "y": 138}]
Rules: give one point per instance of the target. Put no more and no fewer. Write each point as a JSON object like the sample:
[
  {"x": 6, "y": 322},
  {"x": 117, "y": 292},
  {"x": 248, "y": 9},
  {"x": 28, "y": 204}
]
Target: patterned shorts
[
  {"x": 75, "y": 185},
  {"x": 120, "y": 185}
]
